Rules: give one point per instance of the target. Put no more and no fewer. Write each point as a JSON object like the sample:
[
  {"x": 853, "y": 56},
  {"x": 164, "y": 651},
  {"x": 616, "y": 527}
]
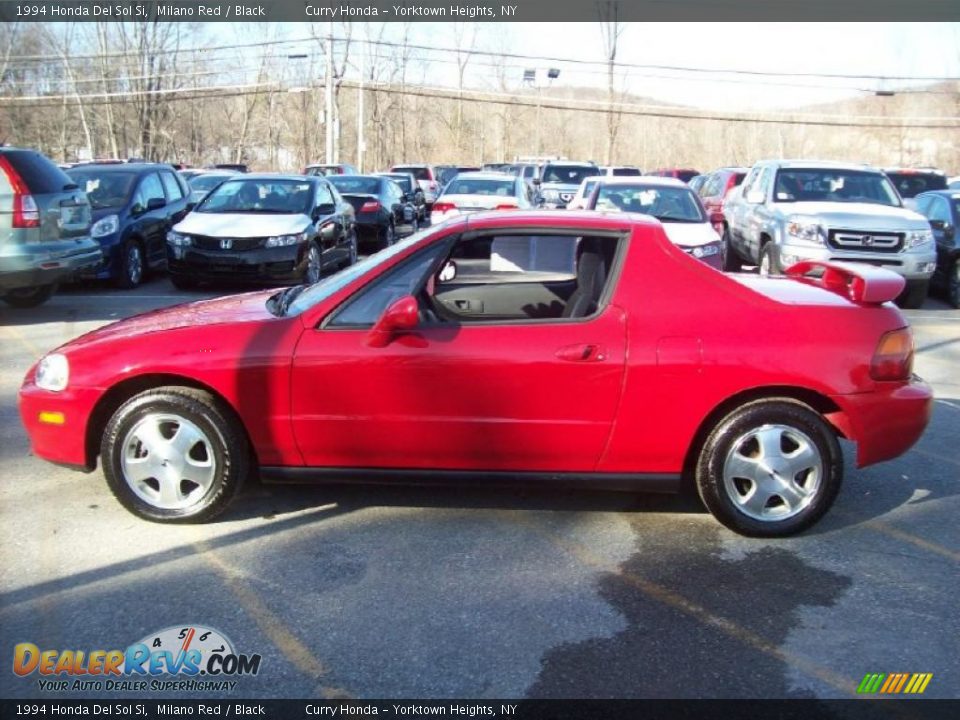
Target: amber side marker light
[
  {"x": 893, "y": 358},
  {"x": 52, "y": 418}
]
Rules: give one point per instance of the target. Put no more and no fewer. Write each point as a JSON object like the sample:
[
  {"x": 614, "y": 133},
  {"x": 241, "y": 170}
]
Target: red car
[
  {"x": 715, "y": 189},
  {"x": 531, "y": 345}
]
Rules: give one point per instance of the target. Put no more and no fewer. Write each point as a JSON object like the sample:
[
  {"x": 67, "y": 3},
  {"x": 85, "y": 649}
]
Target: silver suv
[
  {"x": 559, "y": 181},
  {"x": 787, "y": 211},
  {"x": 44, "y": 228}
]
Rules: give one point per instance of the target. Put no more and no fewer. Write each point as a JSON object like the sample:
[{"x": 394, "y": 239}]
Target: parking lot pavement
[{"x": 482, "y": 592}]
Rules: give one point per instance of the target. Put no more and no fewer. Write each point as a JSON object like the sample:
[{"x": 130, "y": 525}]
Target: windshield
[
  {"x": 567, "y": 174},
  {"x": 471, "y": 186},
  {"x": 909, "y": 185},
  {"x": 104, "y": 189},
  {"x": 403, "y": 181},
  {"x": 286, "y": 197},
  {"x": 206, "y": 182},
  {"x": 356, "y": 184},
  {"x": 325, "y": 288},
  {"x": 852, "y": 186},
  {"x": 420, "y": 173},
  {"x": 668, "y": 204}
]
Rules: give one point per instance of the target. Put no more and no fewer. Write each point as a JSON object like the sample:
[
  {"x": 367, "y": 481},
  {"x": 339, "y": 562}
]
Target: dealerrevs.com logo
[{"x": 202, "y": 659}]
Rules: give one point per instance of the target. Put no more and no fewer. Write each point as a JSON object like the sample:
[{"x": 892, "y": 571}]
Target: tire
[
  {"x": 132, "y": 267},
  {"x": 352, "y": 257},
  {"x": 414, "y": 227},
  {"x": 182, "y": 282},
  {"x": 314, "y": 269},
  {"x": 743, "y": 492},
  {"x": 213, "y": 447},
  {"x": 731, "y": 261},
  {"x": 953, "y": 284},
  {"x": 768, "y": 264},
  {"x": 23, "y": 298},
  {"x": 388, "y": 236},
  {"x": 914, "y": 294}
]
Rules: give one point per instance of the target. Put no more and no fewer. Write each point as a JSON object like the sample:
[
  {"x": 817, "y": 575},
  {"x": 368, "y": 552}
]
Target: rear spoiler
[{"x": 860, "y": 283}]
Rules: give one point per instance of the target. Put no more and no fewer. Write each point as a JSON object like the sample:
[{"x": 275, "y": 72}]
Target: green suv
[{"x": 44, "y": 228}]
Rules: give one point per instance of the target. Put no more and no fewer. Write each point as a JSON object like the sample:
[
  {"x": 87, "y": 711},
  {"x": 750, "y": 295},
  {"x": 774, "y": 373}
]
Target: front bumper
[
  {"x": 267, "y": 265},
  {"x": 30, "y": 264},
  {"x": 911, "y": 265},
  {"x": 887, "y": 422},
  {"x": 64, "y": 443}
]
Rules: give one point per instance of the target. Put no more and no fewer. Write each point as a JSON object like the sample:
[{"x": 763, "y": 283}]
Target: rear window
[
  {"x": 626, "y": 172},
  {"x": 470, "y": 186},
  {"x": 355, "y": 185},
  {"x": 420, "y": 173},
  {"x": 909, "y": 185},
  {"x": 38, "y": 171},
  {"x": 567, "y": 174},
  {"x": 687, "y": 175}
]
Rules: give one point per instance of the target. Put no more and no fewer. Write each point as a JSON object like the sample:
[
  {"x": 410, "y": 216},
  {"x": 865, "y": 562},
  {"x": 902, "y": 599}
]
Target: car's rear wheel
[
  {"x": 770, "y": 468},
  {"x": 731, "y": 261},
  {"x": 172, "y": 454},
  {"x": 24, "y": 298},
  {"x": 914, "y": 295},
  {"x": 131, "y": 266},
  {"x": 953, "y": 284},
  {"x": 352, "y": 249}
]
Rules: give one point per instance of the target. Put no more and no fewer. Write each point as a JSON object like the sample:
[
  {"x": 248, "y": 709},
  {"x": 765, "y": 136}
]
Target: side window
[
  {"x": 711, "y": 187},
  {"x": 172, "y": 187},
  {"x": 149, "y": 189},
  {"x": 763, "y": 184},
  {"x": 750, "y": 181},
  {"x": 364, "y": 309},
  {"x": 324, "y": 196},
  {"x": 939, "y": 211},
  {"x": 335, "y": 194},
  {"x": 923, "y": 204}
]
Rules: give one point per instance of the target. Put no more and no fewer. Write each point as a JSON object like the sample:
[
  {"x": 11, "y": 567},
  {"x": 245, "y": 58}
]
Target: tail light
[
  {"x": 433, "y": 186},
  {"x": 505, "y": 206},
  {"x": 370, "y": 206},
  {"x": 893, "y": 358},
  {"x": 26, "y": 214},
  {"x": 443, "y": 207}
]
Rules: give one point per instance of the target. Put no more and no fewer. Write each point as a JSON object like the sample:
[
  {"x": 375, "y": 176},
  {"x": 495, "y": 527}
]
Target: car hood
[
  {"x": 242, "y": 224},
  {"x": 247, "y": 307},
  {"x": 690, "y": 234},
  {"x": 857, "y": 216}
]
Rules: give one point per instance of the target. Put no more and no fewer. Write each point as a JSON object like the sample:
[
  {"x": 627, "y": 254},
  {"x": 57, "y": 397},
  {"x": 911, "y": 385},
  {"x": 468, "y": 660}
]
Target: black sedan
[
  {"x": 383, "y": 211},
  {"x": 942, "y": 209},
  {"x": 411, "y": 188},
  {"x": 266, "y": 229}
]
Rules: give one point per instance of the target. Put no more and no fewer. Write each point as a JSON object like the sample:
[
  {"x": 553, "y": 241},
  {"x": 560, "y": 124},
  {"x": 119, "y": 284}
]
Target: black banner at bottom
[{"x": 860, "y": 709}]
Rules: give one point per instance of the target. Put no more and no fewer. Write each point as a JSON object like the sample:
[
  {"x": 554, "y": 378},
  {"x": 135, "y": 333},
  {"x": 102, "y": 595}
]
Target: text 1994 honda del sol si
[{"x": 528, "y": 345}]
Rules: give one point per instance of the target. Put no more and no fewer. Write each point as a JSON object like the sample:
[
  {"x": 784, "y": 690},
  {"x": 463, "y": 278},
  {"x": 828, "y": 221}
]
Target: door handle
[{"x": 582, "y": 353}]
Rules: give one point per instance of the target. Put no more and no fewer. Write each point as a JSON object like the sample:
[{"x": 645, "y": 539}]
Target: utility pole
[
  {"x": 360, "y": 142},
  {"x": 329, "y": 96}
]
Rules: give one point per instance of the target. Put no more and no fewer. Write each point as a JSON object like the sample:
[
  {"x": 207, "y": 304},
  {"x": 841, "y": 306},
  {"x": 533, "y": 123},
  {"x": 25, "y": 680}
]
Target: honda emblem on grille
[
  {"x": 226, "y": 243},
  {"x": 867, "y": 240}
]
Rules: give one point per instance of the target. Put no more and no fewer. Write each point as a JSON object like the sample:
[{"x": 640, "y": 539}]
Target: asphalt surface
[{"x": 372, "y": 592}]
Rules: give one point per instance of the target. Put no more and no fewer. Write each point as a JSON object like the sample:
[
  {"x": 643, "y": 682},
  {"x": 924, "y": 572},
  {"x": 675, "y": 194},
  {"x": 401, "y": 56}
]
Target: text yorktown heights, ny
[{"x": 412, "y": 11}]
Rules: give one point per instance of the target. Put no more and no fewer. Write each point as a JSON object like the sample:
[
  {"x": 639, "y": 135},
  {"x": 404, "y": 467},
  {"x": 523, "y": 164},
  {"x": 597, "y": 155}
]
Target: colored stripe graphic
[{"x": 894, "y": 683}]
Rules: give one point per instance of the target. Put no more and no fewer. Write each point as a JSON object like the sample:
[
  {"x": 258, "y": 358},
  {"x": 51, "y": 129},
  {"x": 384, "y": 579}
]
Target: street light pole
[
  {"x": 360, "y": 142},
  {"x": 329, "y": 96}
]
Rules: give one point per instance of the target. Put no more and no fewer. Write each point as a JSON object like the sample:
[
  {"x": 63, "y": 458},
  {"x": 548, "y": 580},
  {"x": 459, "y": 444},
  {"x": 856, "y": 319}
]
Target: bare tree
[{"x": 611, "y": 29}]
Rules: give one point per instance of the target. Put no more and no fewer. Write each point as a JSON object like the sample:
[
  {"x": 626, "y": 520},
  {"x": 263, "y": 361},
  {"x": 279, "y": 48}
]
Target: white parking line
[{"x": 947, "y": 403}]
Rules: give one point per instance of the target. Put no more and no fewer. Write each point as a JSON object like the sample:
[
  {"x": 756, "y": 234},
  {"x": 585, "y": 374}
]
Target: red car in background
[
  {"x": 715, "y": 189},
  {"x": 684, "y": 174},
  {"x": 540, "y": 346}
]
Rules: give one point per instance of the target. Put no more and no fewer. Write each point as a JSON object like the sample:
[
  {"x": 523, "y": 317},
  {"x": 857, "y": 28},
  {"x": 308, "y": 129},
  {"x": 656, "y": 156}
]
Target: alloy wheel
[{"x": 313, "y": 265}]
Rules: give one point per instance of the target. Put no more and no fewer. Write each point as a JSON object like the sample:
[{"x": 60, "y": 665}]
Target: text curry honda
[{"x": 530, "y": 346}]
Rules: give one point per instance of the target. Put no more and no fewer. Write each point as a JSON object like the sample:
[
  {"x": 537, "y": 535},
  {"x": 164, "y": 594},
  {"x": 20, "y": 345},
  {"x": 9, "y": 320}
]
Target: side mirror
[
  {"x": 155, "y": 204},
  {"x": 404, "y": 198},
  {"x": 536, "y": 181},
  {"x": 400, "y": 316},
  {"x": 755, "y": 197}
]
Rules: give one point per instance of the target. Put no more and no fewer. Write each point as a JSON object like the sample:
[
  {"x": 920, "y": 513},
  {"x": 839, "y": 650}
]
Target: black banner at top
[{"x": 476, "y": 10}]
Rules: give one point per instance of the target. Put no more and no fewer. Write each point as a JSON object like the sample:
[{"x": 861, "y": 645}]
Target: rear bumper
[
  {"x": 33, "y": 264},
  {"x": 887, "y": 422}
]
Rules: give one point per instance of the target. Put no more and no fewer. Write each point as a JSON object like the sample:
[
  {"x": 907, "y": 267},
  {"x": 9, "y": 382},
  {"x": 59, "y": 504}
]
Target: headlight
[
  {"x": 283, "y": 240},
  {"x": 178, "y": 240},
  {"x": 105, "y": 226},
  {"x": 919, "y": 238},
  {"x": 53, "y": 372},
  {"x": 705, "y": 250},
  {"x": 806, "y": 230}
]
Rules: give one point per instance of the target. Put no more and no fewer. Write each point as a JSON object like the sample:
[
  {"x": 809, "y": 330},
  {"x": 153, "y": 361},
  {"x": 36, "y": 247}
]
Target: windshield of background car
[
  {"x": 853, "y": 186},
  {"x": 354, "y": 185},
  {"x": 909, "y": 185},
  {"x": 104, "y": 189},
  {"x": 669, "y": 204},
  {"x": 567, "y": 174},
  {"x": 626, "y": 172},
  {"x": 286, "y": 197},
  {"x": 418, "y": 173},
  {"x": 468, "y": 186},
  {"x": 686, "y": 175},
  {"x": 320, "y": 291},
  {"x": 403, "y": 181},
  {"x": 206, "y": 182}
]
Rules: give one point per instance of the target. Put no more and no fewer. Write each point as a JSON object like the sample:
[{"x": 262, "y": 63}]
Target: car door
[
  {"x": 937, "y": 211},
  {"x": 151, "y": 218},
  {"x": 328, "y": 221},
  {"x": 532, "y": 395},
  {"x": 176, "y": 210}
]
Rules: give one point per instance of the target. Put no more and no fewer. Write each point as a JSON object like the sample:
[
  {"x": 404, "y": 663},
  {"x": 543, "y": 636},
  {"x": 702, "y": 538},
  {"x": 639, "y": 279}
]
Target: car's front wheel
[
  {"x": 314, "y": 265},
  {"x": 388, "y": 236},
  {"x": 770, "y": 468},
  {"x": 953, "y": 284},
  {"x": 914, "y": 294},
  {"x": 768, "y": 261},
  {"x": 131, "y": 268},
  {"x": 29, "y": 297},
  {"x": 173, "y": 454},
  {"x": 731, "y": 261}
]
